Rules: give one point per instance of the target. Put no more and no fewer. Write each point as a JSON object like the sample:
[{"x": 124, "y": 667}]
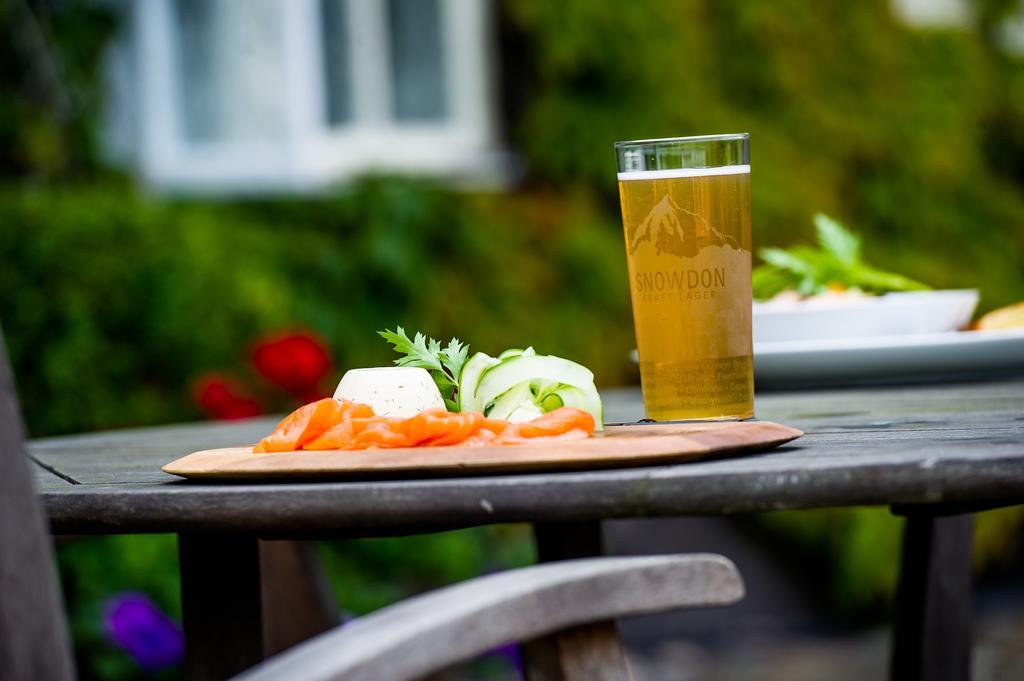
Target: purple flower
[
  {"x": 149, "y": 636},
  {"x": 510, "y": 653}
]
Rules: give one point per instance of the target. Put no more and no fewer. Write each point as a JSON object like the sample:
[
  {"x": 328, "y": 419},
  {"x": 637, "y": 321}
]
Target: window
[
  {"x": 229, "y": 68},
  {"x": 417, "y": 71},
  {"x": 297, "y": 94}
]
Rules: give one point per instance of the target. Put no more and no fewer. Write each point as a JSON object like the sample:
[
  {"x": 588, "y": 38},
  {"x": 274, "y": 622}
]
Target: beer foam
[{"x": 682, "y": 172}]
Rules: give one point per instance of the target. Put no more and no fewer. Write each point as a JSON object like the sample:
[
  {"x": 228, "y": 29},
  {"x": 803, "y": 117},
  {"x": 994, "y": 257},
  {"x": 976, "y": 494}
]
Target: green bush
[
  {"x": 908, "y": 136},
  {"x": 94, "y": 570},
  {"x": 365, "y": 574},
  {"x": 118, "y": 301}
]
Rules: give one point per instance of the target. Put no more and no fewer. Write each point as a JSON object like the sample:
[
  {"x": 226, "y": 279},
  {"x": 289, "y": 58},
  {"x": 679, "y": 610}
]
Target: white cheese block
[{"x": 391, "y": 391}]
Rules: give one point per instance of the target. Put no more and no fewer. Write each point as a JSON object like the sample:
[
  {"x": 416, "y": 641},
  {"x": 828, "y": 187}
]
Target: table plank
[
  {"x": 101, "y": 464},
  {"x": 46, "y": 480},
  {"x": 922, "y": 445},
  {"x": 892, "y": 403},
  {"x": 768, "y": 482},
  {"x": 135, "y": 455}
]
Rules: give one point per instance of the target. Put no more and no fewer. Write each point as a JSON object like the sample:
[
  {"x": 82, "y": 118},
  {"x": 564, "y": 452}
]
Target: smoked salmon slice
[
  {"x": 558, "y": 422},
  {"x": 302, "y": 425},
  {"x": 439, "y": 427},
  {"x": 381, "y": 432},
  {"x": 353, "y": 419},
  {"x": 329, "y": 424}
]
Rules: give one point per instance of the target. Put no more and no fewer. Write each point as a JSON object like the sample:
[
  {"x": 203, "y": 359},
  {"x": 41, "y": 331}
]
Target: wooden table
[{"x": 932, "y": 453}]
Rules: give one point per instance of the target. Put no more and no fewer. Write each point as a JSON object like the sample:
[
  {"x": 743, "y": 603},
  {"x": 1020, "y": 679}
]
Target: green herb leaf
[
  {"x": 769, "y": 281},
  {"x": 444, "y": 364},
  {"x": 836, "y": 262},
  {"x": 416, "y": 352},
  {"x": 442, "y": 380},
  {"x": 837, "y": 240},
  {"x": 869, "y": 277},
  {"x": 454, "y": 356},
  {"x": 787, "y": 261}
]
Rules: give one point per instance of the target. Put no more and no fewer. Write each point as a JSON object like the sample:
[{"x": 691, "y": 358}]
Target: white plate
[
  {"x": 891, "y": 359},
  {"x": 892, "y": 314},
  {"x": 924, "y": 357}
]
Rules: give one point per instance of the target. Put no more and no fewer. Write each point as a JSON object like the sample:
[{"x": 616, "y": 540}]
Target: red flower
[
  {"x": 221, "y": 398},
  {"x": 294, "y": 361}
]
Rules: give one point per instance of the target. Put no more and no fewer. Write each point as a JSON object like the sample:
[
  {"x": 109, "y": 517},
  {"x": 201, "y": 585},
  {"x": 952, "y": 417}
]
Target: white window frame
[{"x": 313, "y": 154}]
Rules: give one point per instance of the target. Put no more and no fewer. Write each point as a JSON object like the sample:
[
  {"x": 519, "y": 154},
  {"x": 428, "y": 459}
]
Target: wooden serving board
[{"x": 616, "y": 446}]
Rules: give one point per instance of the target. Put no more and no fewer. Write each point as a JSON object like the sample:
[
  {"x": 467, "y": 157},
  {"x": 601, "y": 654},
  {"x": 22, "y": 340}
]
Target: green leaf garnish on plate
[
  {"x": 443, "y": 363},
  {"x": 835, "y": 263}
]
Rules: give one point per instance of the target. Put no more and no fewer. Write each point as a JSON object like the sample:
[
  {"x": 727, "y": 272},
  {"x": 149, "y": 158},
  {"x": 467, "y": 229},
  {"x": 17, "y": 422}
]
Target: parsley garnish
[
  {"x": 443, "y": 363},
  {"x": 836, "y": 262}
]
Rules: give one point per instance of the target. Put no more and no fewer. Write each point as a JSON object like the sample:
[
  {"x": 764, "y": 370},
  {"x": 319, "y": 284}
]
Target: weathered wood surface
[
  {"x": 33, "y": 632},
  {"x": 46, "y": 480},
  {"x": 932, "y": 623},
  {"x": 589, "y": 652},
  {"x": 430, "y": 632},
  {"x": 924, "y": 445},
  {"x": 220, "y": 605},
  {"x": 297, "y": 599},
  {"x": 616, "y": 446}
]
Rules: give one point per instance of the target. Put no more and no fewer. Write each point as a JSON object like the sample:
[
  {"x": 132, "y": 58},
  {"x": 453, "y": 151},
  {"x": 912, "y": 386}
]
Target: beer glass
[{"x": 686, "y": 217}]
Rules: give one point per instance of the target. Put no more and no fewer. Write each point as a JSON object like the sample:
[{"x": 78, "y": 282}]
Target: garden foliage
[{"x": 114, "y": 301}]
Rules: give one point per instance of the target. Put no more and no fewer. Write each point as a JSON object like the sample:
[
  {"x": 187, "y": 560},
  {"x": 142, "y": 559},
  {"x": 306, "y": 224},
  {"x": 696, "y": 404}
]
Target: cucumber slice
[
  {"x": 516, "y": 352},
  {"x": 539, "y": 370},
  {"x": 582, "y": 397},
  {"x": 570, "y": 396},
  {"x": 551, "y": 402},
  {"x": 541, "y": 388},
  {"x": 592, "y": 400},
  {"x": 499, "y": 378},
  {"x": 470, "y": 377},
  {"x": 512, "y": 399},
  {"x": 525, "y": 412}
]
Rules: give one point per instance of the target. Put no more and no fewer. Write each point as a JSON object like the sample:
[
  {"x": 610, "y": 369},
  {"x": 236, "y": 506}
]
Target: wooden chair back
[{"x": 34, "y": 640}]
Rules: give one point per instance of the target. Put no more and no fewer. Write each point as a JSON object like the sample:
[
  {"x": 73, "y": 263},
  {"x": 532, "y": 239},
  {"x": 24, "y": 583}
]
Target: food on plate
[
  {"x": 444, "y": 364},
  {"x": 391, "y": 391},
  {"x": 834, "y": 296},
  {"x": 904, "y": 313},
  {"x": 330, "y": 424},
  {"x": 562, "y": 423},
  {"x": 834, "y": 266},
  {"x": 1009, "y": 317},
  {"x": 440, "y": 396},
  {"x": 303, "y": 425},
  {"x": 517, "y": 385}
]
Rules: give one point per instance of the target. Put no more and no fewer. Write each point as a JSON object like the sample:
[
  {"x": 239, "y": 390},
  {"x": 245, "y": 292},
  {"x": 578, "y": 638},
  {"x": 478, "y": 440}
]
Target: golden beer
[{"x": 688, "y": 248}]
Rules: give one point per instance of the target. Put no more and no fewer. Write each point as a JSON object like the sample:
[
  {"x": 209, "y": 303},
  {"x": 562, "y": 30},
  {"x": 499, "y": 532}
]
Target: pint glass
[{"x": 686, "y": 217}]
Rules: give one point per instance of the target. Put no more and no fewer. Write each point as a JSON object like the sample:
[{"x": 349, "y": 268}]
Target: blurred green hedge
[
  {"x": 113, "y": 301},
  {"x": 117, "y": 302},
  {"x": 912, "y": 137},
  {"x": 365, "y": 574}
]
